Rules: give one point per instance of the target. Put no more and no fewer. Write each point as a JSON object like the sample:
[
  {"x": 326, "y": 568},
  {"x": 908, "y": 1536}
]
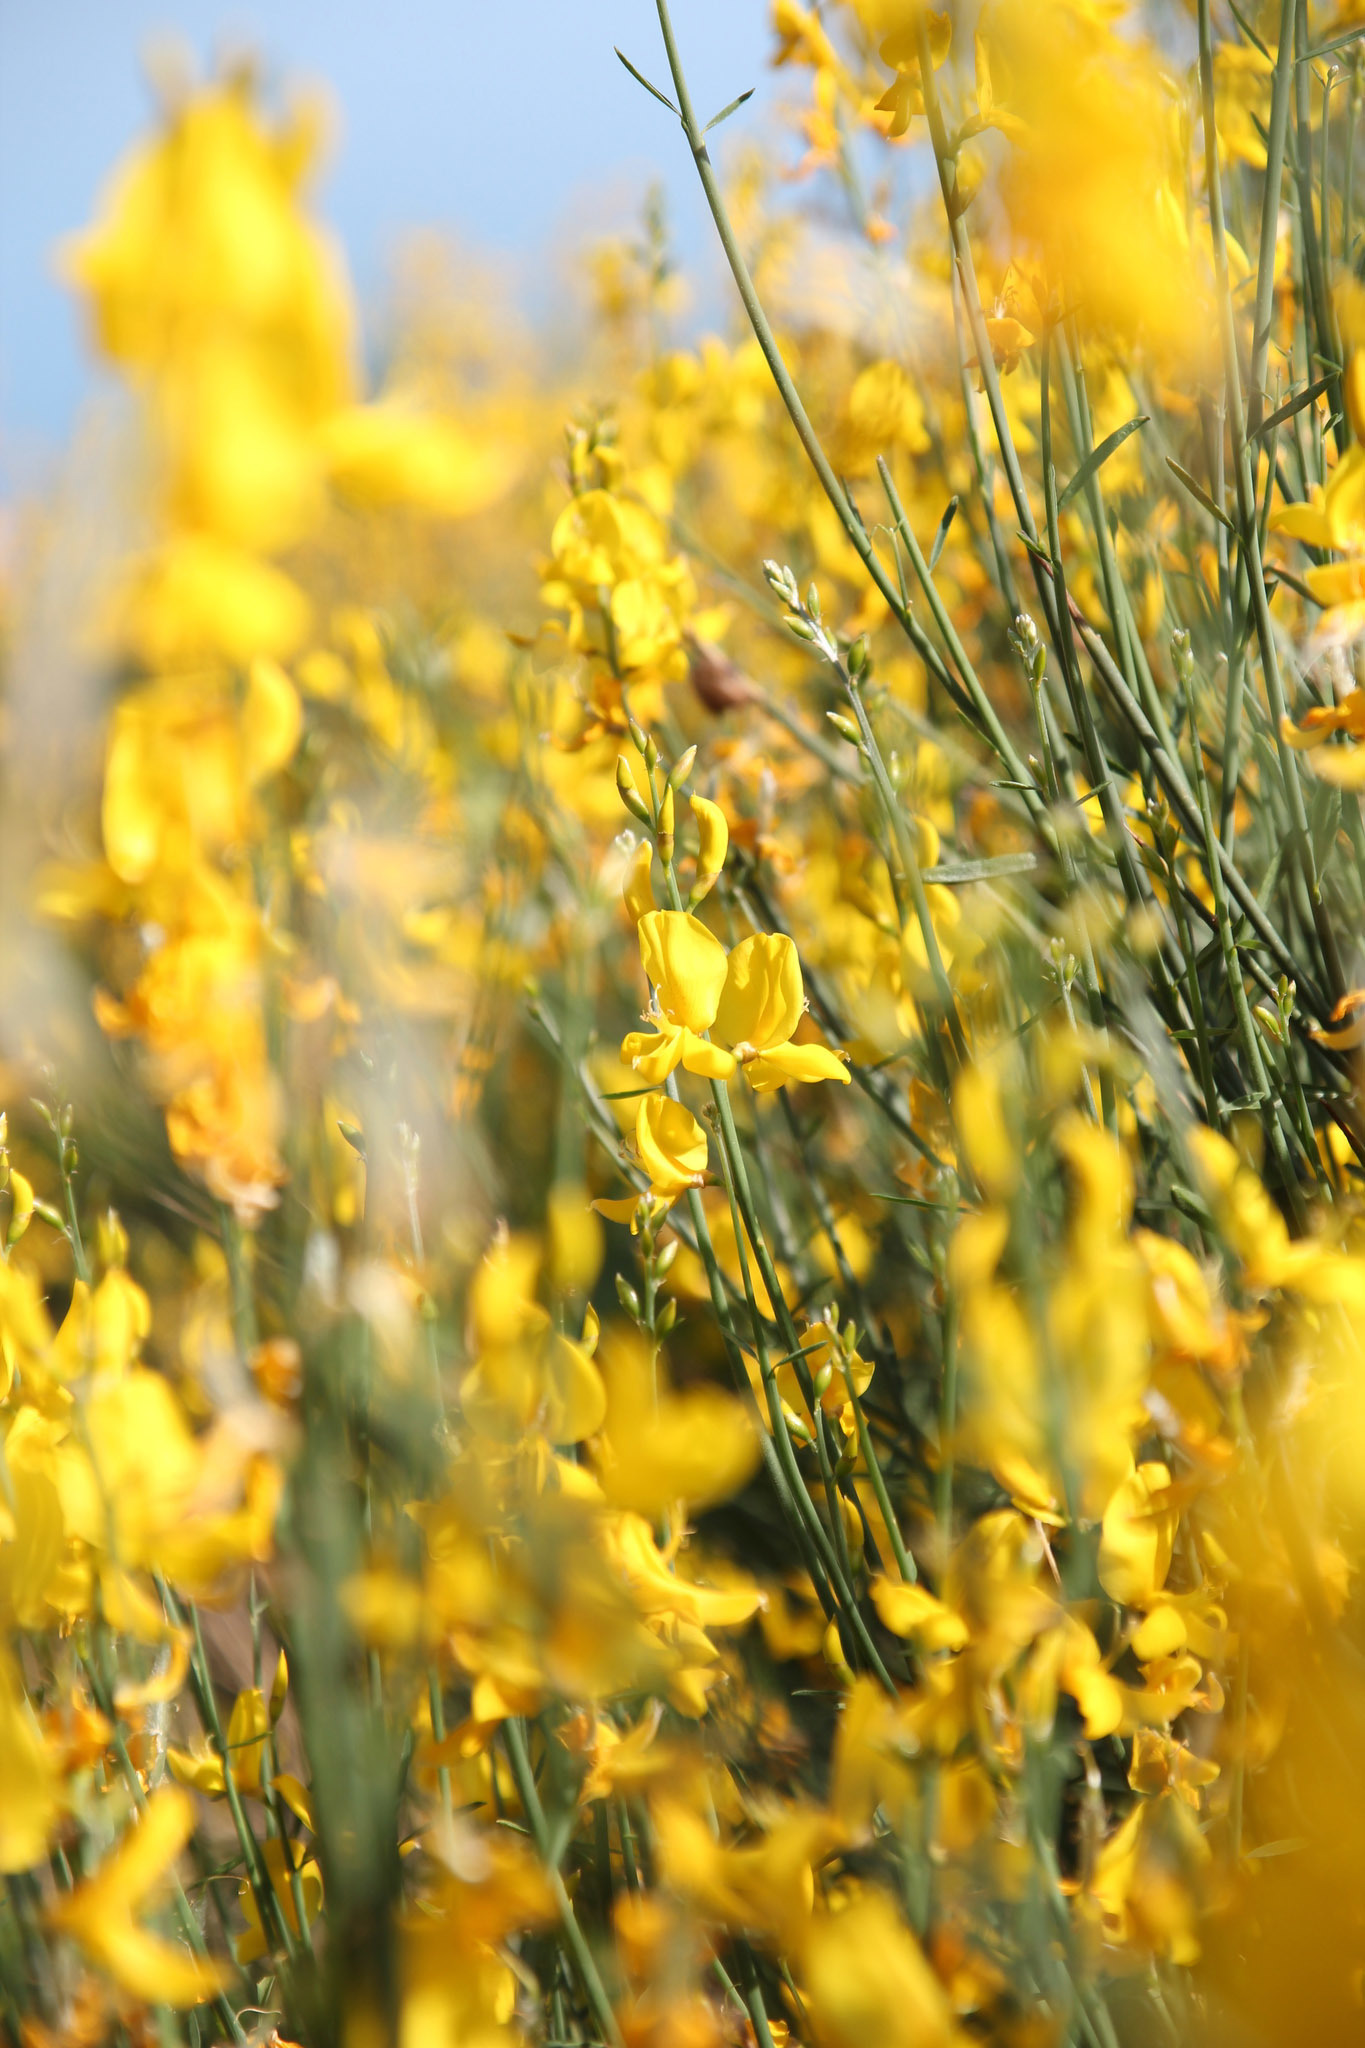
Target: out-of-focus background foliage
[{"x": 512, "y": 131}]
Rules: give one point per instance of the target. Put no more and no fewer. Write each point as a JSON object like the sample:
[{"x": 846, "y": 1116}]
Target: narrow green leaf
[
  {"x": 1352, "y": 35},
  {"x": 1291, "y": 406},
  {"x": 941, "y": 535},
  {"x": 1280, "y": 574},
  {"x": 1197, "y": 491},
  {"x": 1249, "y": 32},
  {"x": 640, "y": 79},
  {"x": 1099, "y": 456},
  {"x": 726, "y": 112}
]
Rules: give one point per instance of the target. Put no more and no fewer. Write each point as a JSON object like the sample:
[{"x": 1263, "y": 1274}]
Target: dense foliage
[{"x": 684, "y": 1267}]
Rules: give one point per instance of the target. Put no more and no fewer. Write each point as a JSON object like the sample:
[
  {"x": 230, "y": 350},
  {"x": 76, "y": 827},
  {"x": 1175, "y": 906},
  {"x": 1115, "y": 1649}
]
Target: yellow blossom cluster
[{"x": 682, "y": 1274}]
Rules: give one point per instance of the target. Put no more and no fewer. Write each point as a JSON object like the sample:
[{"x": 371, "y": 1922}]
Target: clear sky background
[{"x": 509, "y": 122}]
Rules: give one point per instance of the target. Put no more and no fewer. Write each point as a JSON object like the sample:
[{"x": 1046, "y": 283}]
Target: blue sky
[{"x": 511, "y": 124}]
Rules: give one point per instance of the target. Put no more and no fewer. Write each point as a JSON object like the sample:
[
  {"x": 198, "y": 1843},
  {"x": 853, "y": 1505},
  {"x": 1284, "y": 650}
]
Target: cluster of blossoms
[{"x": 682, "y": 1296}]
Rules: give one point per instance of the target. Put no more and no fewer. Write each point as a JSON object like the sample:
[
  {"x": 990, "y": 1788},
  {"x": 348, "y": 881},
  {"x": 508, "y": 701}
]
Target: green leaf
[
  {"x": 1293, "y": 405},
  {"x": 1352, "y": 35},
  {"x": 941, "y": 535},
  {"x": 1035, "y": 548},
  {"x": 1099, "y": 456},
  {"x": 640, "y": 79},
  {"x": 726, "y": 112},
  {"x": 1280, "y": 574},
  {"x": 1197, "y": 491}
]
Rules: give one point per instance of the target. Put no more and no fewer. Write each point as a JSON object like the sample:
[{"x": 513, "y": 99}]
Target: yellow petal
[
  {"x": 803, "y": 1064},
  {"x": 699, "y": 1056},
  {"x": 654, "y": 1054},
  {"x": 30, "y": 1792},
  {"x": 686, "y": 964},
  {"x": 637, "y": 890},
  {"x": 1137, "y": 1535},
  {"x": 762, "y": 1000},
  {"x": 913, "y": 1611},
  {"x": 713, "y": 840},
  {"x": 671, "y": 1144},
  {"x": 575, "y": 1399},
  {"x": 272, "y": 720}
]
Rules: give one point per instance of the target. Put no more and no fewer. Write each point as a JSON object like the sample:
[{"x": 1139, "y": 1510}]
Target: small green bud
[
  {"x": 628, "y": 1298},
  {"x": 845, "y": 727},
  {"x": 667, "y": 1317},
  {"x": 681, "y": 769},
  {"x": 1270, "y": 1022},
  {"x": 628, "y": 793}
]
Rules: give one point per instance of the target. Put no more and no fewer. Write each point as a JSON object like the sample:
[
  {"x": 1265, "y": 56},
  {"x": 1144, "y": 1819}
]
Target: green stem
[{"x": 514, "y": 1740}]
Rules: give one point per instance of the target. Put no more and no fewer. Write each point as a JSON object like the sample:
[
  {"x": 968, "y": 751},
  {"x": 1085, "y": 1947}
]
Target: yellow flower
[
  {"x": 686, "y": 967},
  {"x": 760, "y": 1006},
  {"x": 661, "y": 1447},
  {"x": 866, "y": 1979},
  {"x": 672, "y": 1147},
  {"x": 99, "y": 1914},
  {"x": 30, "y": 1793}
]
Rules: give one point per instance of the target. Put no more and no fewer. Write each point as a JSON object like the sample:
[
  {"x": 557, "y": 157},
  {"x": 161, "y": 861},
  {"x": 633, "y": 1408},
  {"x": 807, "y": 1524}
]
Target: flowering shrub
[{"x": 684, "y": 1278}]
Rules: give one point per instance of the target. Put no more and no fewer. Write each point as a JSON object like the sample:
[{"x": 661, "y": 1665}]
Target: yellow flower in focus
[
  {"x": 672, "y": 1147},
  {"x": 760, "y": 1006},
  {"x": 685, "y": 966}
]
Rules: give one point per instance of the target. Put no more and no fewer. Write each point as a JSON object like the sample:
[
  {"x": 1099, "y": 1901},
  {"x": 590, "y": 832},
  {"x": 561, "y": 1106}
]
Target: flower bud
[
  {"x": 713, "y": 841},
  {"x": 681, "y": 769},
  {"x": 279, "y": 1691},
  {"x": 628, "y": 793},
  {"x": 21, "y": 1206},
  {"x": 628, "y": 1298}
]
